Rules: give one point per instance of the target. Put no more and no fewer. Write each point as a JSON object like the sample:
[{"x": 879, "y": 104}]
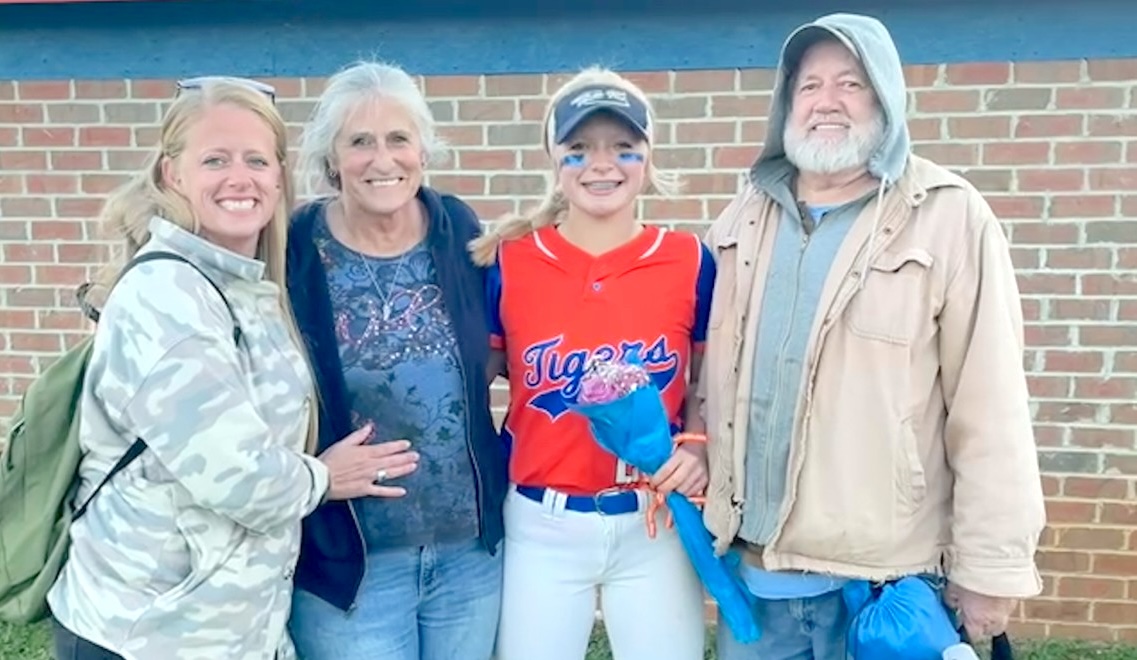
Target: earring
[{"x": 331, "y": 175}]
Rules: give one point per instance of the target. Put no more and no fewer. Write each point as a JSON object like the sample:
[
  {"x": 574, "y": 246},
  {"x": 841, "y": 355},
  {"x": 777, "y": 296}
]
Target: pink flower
[
  {"x": 597, "y": 390},
  {"x": 604, "y": 382}
]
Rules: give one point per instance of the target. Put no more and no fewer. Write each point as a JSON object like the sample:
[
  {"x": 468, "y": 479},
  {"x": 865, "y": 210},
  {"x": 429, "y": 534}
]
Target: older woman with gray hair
[{"x": 391, "y": 310}]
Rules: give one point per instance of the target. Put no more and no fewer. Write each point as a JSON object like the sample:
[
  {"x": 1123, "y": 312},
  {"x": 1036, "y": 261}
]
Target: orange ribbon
[{"x": 657, "y": 499}]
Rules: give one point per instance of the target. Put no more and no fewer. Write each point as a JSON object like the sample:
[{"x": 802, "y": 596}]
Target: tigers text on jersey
[{"x": 553, "y": 307}]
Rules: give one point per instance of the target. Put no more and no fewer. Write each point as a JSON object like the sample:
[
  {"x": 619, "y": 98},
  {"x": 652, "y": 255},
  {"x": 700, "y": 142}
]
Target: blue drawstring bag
[{"x": 903, "y": 620}]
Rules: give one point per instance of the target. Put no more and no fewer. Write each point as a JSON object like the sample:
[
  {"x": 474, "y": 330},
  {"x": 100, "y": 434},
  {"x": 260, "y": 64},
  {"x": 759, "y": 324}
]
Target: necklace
[{"x": 385, "y": 300}]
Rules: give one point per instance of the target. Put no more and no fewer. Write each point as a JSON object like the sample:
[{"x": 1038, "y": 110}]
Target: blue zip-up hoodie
[{"x": 802, "y": 255}]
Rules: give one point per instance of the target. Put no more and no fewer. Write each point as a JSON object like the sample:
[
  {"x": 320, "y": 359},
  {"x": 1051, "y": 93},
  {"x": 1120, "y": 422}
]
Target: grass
[
  {"x": 32, "y": 643},
  {"x": 1050, "y": 649},
  {"x": 24, "y": 642},
  {"x": 1025, "y": 649}
]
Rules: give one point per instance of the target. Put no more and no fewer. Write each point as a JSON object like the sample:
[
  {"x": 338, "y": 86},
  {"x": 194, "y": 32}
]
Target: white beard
[{"x": 822, "y": 156}]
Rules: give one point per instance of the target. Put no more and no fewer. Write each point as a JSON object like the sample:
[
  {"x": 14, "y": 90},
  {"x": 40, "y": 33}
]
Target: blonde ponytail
[{"x": 513, "y": 226}]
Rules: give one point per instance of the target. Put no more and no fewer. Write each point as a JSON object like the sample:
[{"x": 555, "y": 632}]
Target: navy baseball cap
[{"x": 574, "y": 108}]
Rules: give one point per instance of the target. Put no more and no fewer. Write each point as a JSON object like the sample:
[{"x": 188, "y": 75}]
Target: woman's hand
[
  {"x": 685, "y": 472},
  {"x": 357, "y": 469}
]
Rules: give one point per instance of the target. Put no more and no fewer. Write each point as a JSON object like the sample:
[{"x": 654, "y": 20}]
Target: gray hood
[{"x": 872, "y": 43}]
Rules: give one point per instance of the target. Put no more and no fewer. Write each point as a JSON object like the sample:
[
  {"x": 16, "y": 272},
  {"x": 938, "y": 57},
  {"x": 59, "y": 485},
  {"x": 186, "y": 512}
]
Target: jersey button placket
[{"x": 595, "y": 279}]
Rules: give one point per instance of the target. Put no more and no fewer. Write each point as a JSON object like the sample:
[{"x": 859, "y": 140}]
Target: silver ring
[{"x": 380, "y": 476}]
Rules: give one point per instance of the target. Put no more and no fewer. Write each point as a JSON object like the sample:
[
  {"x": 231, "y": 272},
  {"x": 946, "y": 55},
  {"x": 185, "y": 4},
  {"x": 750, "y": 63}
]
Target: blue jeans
[
  {"x": 793, "y": 629},
  {"x": 435, "y": 602}
]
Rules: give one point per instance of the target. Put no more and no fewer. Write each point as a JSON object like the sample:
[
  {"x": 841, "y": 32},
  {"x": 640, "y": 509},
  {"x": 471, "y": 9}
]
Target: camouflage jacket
[{"x": 190, "y": 551}]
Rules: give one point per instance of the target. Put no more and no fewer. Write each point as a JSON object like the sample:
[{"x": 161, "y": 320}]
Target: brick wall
[{"x": 1053, "y": 145}]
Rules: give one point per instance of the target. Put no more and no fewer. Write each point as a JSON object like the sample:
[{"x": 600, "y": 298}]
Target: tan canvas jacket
[{"x": 913, "y": 447}]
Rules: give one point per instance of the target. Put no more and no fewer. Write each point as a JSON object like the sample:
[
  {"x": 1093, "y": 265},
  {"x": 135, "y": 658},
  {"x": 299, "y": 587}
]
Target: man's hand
[{"x": 982, "y": 616}]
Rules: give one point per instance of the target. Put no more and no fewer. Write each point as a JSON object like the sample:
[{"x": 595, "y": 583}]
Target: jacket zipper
[
  {"x": 469, "y": 441},
  {"x": 363, "y": 544},
  {"x": 478, "y": 494},
  {"x": 776, "y": 404},
  {"x": 355, "y": 519}
]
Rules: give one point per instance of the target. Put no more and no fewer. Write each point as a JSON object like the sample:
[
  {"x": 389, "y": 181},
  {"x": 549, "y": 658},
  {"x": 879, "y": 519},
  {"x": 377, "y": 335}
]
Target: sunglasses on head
[{"x": 201, "y": 81}]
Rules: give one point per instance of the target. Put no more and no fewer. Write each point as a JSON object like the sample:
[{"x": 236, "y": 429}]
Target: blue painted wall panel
[{"x": 310, "y": 38}]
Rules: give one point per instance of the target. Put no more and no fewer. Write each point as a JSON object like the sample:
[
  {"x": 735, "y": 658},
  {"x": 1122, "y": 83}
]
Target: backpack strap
[
  {"x": 136, "y": 449},
  {"x": 139, "y": 445},
  {"x": 93, "y": 313}
]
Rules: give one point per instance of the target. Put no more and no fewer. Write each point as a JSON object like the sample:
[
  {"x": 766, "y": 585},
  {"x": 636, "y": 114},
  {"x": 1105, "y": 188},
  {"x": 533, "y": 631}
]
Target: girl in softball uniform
[{"x": 583, "y": 278}]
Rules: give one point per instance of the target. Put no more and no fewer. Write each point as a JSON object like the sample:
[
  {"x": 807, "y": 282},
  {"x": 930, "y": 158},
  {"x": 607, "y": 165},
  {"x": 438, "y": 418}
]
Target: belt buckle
[{"x": 611, "y": 490}]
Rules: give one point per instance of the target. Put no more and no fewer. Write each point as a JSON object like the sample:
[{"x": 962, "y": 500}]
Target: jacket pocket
[
  {"x": 911, "y": 481},
  {"x": 890, "y": 306},
  {"x": 723, "y": 295},
  {"x": 210, "y": 540}
]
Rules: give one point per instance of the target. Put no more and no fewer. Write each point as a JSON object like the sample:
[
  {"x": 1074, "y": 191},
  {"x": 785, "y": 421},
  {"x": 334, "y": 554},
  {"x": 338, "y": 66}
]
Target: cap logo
[{"x": 600, "y": 96}]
